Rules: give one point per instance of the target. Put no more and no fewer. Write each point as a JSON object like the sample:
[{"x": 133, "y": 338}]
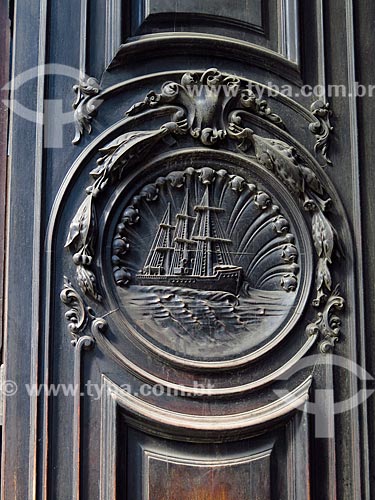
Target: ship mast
[
  {"x": 211, "y": 244},
  {"x": 182, "y": 243},
  {"x": 158, "y": 258}
]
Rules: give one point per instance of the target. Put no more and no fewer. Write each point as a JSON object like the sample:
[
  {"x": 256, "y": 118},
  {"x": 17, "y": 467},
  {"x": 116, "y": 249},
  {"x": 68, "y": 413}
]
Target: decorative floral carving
[
  {"x": 79, "y": 316},
  {"x": 85, "y": 105},
  {"x": 301, "y": 181},
  {"x": 322, "y": 129},
  {"x": 122, "y": 152},
  {"x": 328, "y": 325},
  {"x": 203, "y": 100},
  {"x": 76, "y": 316}
]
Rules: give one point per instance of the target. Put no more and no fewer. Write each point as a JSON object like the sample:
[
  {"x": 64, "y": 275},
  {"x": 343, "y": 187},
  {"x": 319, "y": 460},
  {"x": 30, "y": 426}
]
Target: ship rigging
[{"x": 193, "y": 252}]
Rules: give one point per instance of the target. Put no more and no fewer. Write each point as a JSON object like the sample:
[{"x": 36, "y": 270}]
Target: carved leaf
[
  {"x": 84, "y": 106},
  {"x": 126, "y": 149},
  {"x": 311, "y": 180},
  {"x": 152, "y": 100},
  {"x": 321, "y": 128},
  {"x": 249, "y": 100},
  {"x": 323, "y": 275},
  {"x": 323, "y": 235},
  {"x": 279, "y": 157},
  {"x": 328, "y": 325},
  {"x": 76, "y": 316},
  {"x": 81, "y": 224},
  {"x": 87, "y": 282}
]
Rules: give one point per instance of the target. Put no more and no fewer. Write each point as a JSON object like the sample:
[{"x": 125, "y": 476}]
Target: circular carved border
[{"x": 253, "y": 168}]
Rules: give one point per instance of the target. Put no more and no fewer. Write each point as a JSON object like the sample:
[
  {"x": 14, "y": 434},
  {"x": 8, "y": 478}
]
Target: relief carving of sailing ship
[
  {"x": 203, "y": 257},
  {"x": 193, "y": 252}
]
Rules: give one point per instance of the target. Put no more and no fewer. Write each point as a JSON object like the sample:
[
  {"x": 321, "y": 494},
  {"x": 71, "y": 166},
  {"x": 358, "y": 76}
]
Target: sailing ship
[{"x": 192, "y": 252}]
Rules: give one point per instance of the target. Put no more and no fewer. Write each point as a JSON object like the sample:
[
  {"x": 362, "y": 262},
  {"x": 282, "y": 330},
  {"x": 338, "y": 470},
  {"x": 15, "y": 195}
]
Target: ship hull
[{"x": 226, "y": 280}]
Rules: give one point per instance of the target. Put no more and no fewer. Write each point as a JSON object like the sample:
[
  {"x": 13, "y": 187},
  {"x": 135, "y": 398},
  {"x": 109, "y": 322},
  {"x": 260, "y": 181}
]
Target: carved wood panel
[
  {"x": 204, "y": 243},
  {"x": 190, "y": 250}
]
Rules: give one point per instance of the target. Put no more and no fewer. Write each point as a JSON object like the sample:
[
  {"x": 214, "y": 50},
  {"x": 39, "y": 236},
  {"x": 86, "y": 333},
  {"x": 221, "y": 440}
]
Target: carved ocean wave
[{"x": 206, "y": 315}]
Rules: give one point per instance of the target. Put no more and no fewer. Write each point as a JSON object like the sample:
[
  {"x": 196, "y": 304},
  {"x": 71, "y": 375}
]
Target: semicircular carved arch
[{"x": 200, "y": 259}]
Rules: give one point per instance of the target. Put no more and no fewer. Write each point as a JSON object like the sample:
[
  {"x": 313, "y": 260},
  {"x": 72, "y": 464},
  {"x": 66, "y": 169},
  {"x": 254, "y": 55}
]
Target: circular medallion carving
[{"x": 211, "y": 262}]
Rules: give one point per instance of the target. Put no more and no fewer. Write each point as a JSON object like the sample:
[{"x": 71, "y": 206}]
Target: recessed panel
[{"x": 227, "y": 479}]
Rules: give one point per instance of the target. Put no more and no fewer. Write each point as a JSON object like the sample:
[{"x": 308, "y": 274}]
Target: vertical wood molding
[
  {"x": 330, "y": 421},
  {"x": 37, "y": 247},
  {"x": 108, "y": 441},
  {"x": 84, "y": 342},
  {"x": 83, "y": 38},
  {"x": 4, "y": 77},
  {"x": 113, "y": 23},
  {"x": 289, "y": 33},
  {"x": 298, "y": 457},
  {"x": 359, "y": 470},
  {"x": 321, "y": 44}
]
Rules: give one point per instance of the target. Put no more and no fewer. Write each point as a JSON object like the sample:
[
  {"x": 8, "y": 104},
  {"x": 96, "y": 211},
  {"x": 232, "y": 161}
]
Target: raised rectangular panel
[
  {"x": 250, "y": 20},
  {"x": 270, "y": 24},
  {"x": 247, "y": 12}
]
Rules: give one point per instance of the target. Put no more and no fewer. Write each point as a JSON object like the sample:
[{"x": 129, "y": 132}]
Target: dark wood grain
[
  {"x": 100, "y": 445},
  {"x": 4, "y": 78}
]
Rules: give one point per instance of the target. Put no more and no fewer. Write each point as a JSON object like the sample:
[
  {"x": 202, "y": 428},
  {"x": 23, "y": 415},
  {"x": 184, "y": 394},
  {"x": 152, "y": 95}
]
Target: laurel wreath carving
[{"x": 117, "y": 156}]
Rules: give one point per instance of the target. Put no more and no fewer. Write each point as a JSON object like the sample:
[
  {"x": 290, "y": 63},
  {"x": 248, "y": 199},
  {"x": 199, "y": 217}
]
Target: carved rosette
[{"x": 212, "y": 108}]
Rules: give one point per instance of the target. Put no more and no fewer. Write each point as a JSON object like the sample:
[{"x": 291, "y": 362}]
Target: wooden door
[{"x": 185, "y": 261}]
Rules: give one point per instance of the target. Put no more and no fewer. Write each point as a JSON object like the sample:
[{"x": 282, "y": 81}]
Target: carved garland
[{"x": 212, "y": 108}]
